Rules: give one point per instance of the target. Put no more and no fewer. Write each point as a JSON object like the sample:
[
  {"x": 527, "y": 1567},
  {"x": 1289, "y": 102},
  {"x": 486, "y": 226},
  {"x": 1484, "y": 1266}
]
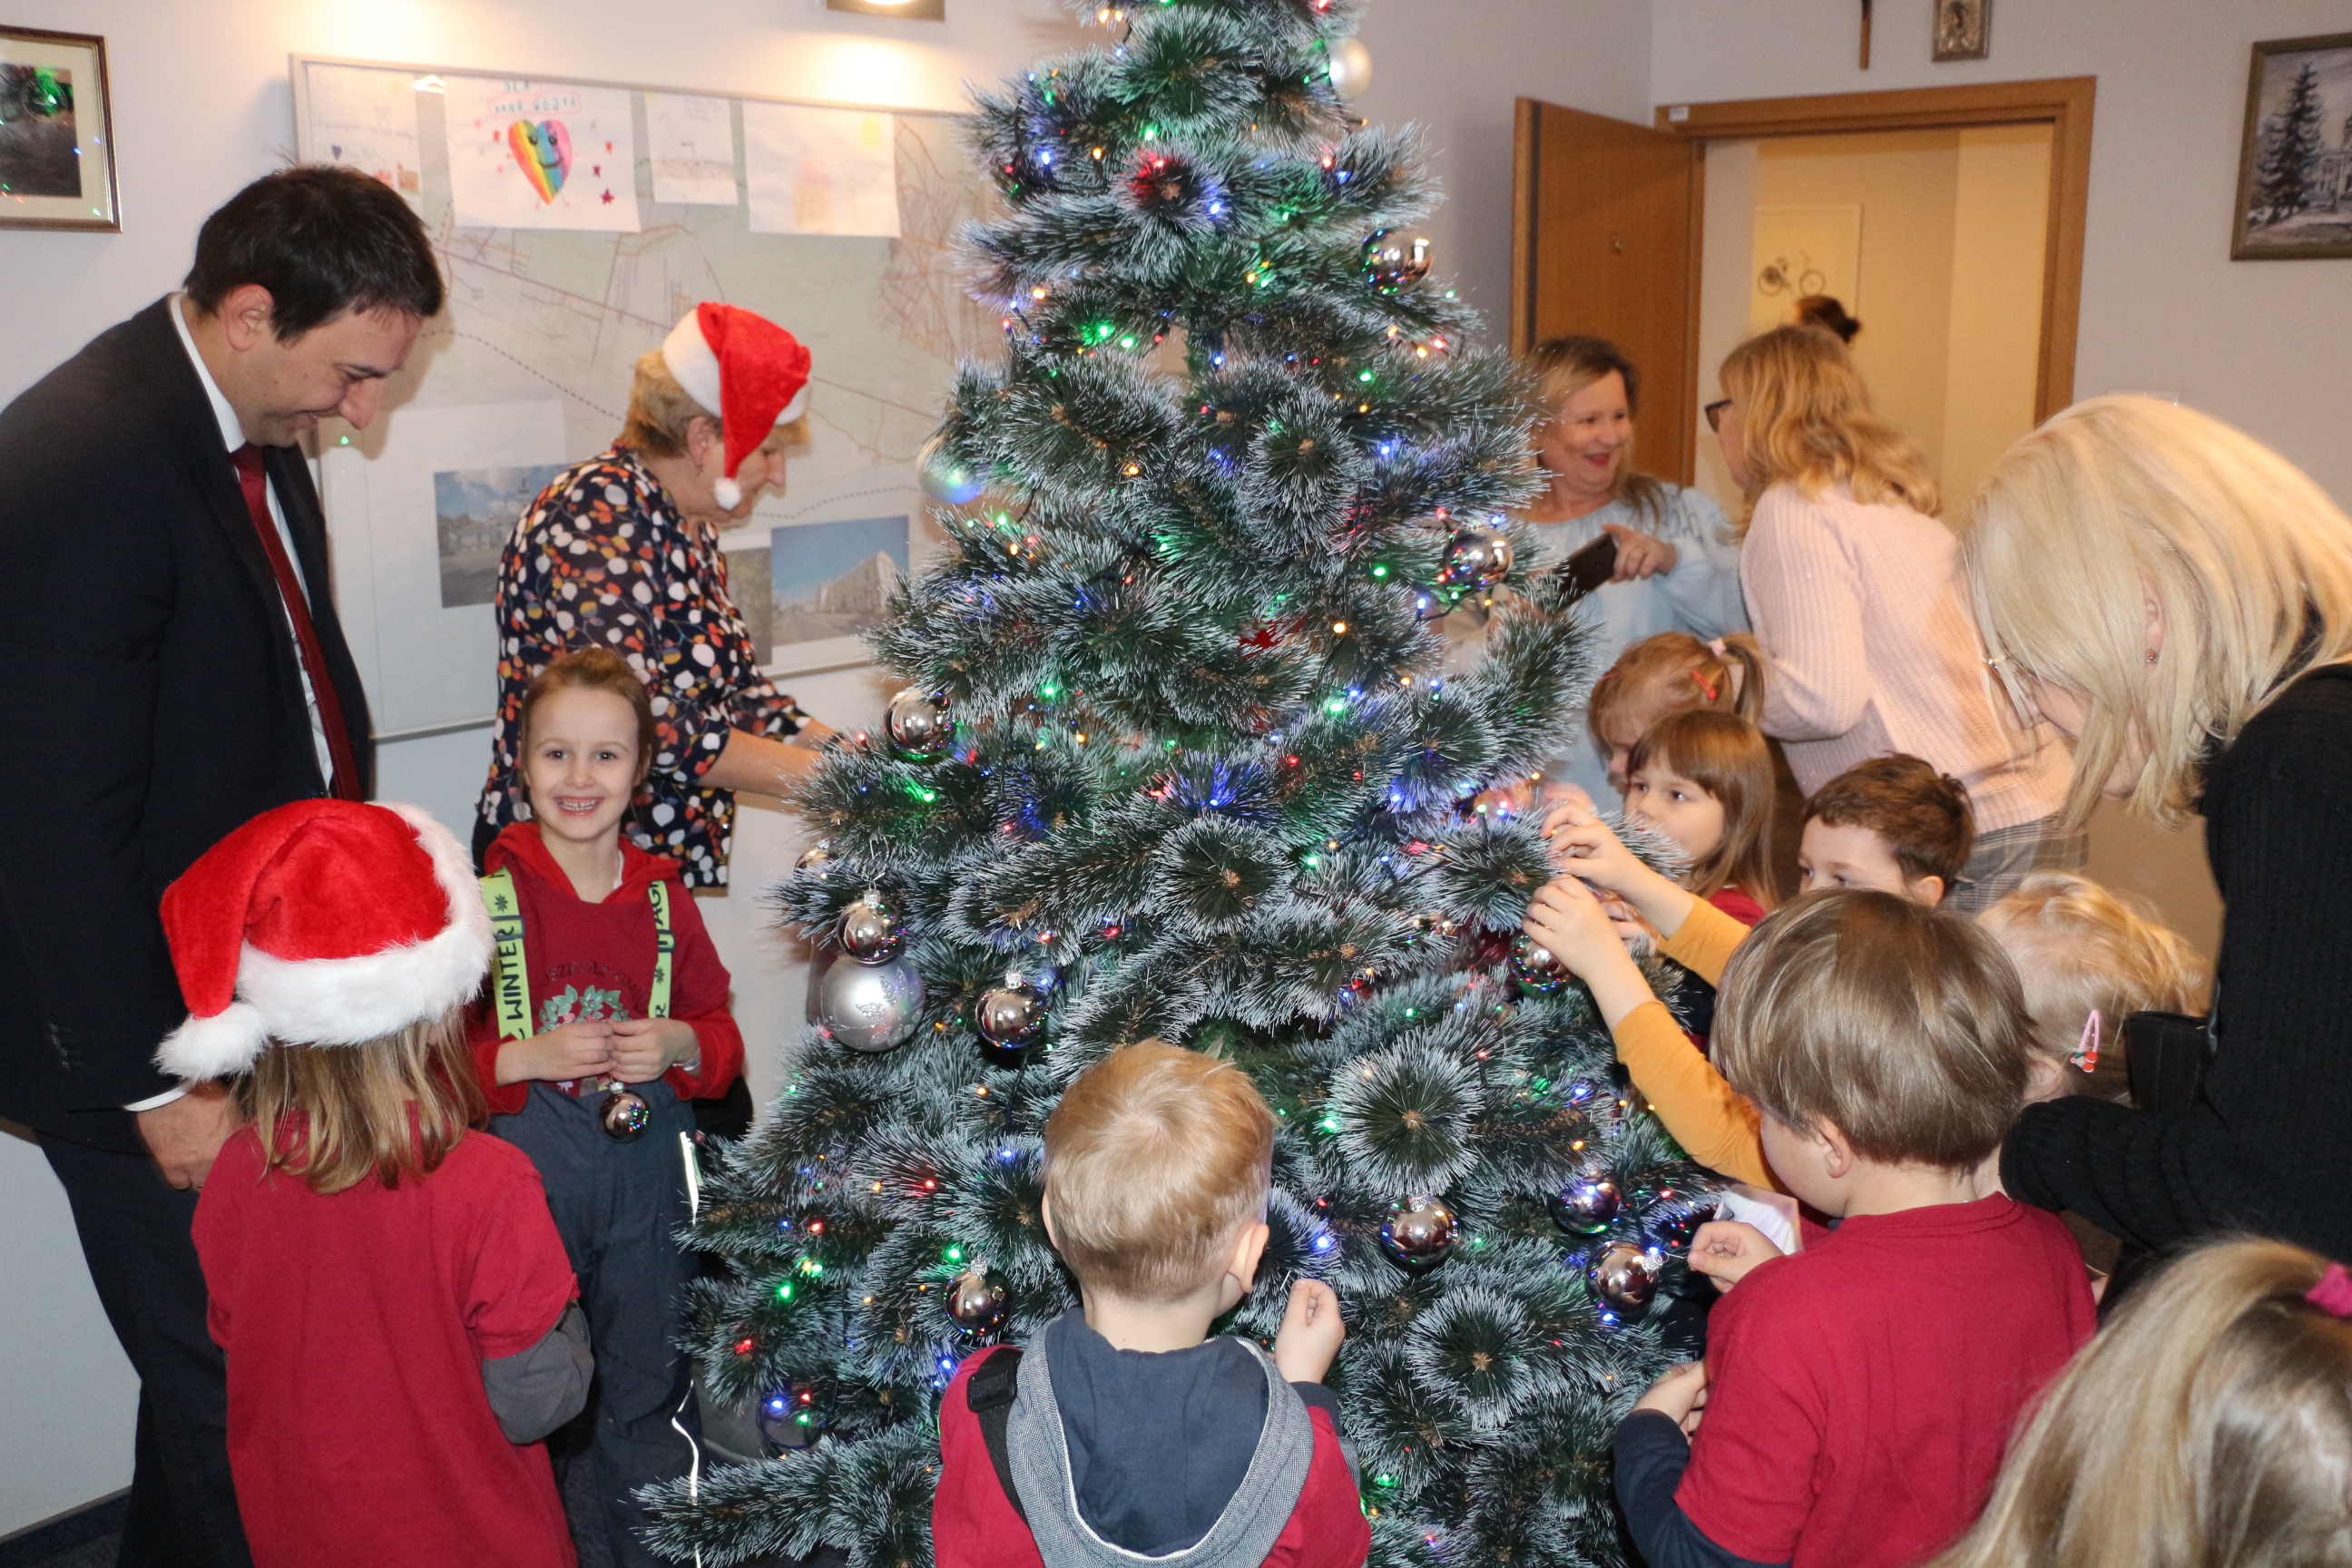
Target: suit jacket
[{"x": 154, "y": 702}]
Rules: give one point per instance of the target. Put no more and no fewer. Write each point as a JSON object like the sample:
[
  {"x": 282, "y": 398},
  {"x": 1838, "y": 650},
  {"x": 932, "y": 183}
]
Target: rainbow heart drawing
[{"x": 544, "y": 151}]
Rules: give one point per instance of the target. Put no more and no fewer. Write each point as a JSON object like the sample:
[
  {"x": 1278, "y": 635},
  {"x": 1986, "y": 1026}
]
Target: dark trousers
[
  {"x": 616, "y": 1205},
  {"x": 134, "y": 1236}
]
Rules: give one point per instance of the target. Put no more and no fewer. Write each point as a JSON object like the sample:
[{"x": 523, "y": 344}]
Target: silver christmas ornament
[
  {"x": 919, "y": 725},
  {"x": 1477, "y": 558},
  {"x": 977, "y": 1303},
  {"x": 816, "y": 855},
  {"x": 1626, "y": 1277},
  {"x": 1534, "y": 969},
  {"x": 870, "y": 930},
  {"x": 1586, "y": 1205},
  {"x": 1390, "y": 261},
  {"x": 1419, "y": 1233},
  {"x": 943, "y": 478},
  {"x": 866, "y": 1007},
  {"x": 1351, "y": 68},
  {"x": 1010, "y": 1015},
  {"x": 624, "y": 1116}
]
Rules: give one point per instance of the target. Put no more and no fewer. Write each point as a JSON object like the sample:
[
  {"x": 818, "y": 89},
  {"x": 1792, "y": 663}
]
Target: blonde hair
[
  {"x": 661, "y": 411},
  {"x": 1672, "y": 673},
  {"x": 2081, "y": 950},
  {"x": 1902, "y": 1025},
  {"x": 2209, "y": 1426},
  {"x": 1566, "y": 366},
  {"x": 2117, "y": 499},
  {"x": 1725, "y": 755},
  {"x": 1154, "y": 1158},
  {"x": 1806, "y": 421},
  {"x": 336, "y": 1115}
]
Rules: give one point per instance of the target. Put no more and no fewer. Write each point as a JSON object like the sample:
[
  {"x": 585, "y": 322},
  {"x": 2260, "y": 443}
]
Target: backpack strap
[{"x": 989, "y": 1393}]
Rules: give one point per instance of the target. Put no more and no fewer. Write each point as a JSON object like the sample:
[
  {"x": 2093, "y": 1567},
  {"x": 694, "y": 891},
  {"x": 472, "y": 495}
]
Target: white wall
[{"x": 201, "y": 106}]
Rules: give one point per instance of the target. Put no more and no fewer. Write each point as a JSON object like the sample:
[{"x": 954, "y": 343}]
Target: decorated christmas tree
[{"x": 1175, "y": 760}]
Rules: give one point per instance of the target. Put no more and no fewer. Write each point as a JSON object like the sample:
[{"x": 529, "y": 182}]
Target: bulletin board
[{"x": 576, "y": 221}]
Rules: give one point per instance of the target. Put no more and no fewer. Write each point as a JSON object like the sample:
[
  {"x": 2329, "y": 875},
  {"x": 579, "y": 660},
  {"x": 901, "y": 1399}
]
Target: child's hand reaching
[
  {"x": 1582, "y": 842},
  {"x": 1725, "y": 1250},
  {"x": 1680, "y": 1395},
  {"x": 1311, "y": 1334},
  {"x": 644, "y": 1048},
  {"x": 581, "y": 1048}
]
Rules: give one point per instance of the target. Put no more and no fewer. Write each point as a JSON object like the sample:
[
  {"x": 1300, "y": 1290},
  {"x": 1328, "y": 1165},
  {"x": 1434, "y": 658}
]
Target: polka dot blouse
[{"x": 602, "y": 557}]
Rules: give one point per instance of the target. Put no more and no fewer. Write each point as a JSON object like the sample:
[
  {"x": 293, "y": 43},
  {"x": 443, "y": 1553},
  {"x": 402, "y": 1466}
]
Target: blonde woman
[
  {"x": 2178, "y": 599},
  {"x": 1853, "y": 590},
  {"x": 2209, "y": 1426},
  {"x": 1677, "y": 568}
]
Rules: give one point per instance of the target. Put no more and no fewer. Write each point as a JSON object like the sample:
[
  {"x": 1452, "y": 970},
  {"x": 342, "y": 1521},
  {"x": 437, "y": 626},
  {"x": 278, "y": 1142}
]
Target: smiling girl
[{"x": 607, "y": 1014}]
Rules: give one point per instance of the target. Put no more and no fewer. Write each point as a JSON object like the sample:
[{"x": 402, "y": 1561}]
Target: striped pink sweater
[{"x": 1865, "y": 622}]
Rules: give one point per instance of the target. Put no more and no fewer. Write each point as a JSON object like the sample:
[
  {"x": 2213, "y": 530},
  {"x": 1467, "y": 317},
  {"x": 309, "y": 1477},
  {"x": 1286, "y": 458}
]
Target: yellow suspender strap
[{"x": 510, "y": 979}]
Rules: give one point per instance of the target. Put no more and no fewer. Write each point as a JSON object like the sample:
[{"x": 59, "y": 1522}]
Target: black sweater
[{"x": 2268, "y": 1145}]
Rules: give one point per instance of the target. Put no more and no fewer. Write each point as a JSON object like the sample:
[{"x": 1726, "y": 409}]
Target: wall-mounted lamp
[{"x": 905, "y": 10}]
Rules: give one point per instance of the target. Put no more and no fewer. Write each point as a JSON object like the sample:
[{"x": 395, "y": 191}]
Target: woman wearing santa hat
[{"x": 622, "y": 551}]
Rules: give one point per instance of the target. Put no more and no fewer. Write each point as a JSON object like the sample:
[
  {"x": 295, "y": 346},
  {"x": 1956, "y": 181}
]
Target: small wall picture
[
  {"x": 57, "y": 140},
  {"x": 2295, "y": 166},
  {"x": 828, "y": 582},
  {"x": 474, "y": 514},
  {"x": 1963, "y": 29}
]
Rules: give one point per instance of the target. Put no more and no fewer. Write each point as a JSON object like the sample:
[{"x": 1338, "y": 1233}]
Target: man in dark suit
[{"x": 174, "y": 668}]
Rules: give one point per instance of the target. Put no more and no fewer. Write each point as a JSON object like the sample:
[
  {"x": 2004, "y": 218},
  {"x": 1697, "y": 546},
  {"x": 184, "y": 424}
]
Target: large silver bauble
[
  {"x": 1587, "y": 1205},
  {"x": 1477, "y": 558},
  {"x": 977, "y": 1303},
  {"x": 920, "y": 726},
  {"x": 866, "y": 1007},
  {"x": 943, "y": 478},
  {"x": 1419, "y": 1233},
  {"x": 1010, "y": 1015},
  {"x": 1626, "y": 1277},
  {"x": 1351, "y": 68},
  {"x": 1390, "y": 261},
  {"x": 1533, "y": 970},
  {"x": 869, "y": 931}
]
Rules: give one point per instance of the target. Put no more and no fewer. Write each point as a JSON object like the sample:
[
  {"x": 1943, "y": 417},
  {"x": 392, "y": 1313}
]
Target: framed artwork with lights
[
  {"x": 56, "y": 133},
  {"x": 905, "y": 10}
]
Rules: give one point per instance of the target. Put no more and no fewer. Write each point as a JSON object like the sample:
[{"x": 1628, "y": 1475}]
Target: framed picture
[
  {"x": 56, "y": 133},
  {"x": 2295, "y": 165},
  {"x": 1963, "y": 29}
]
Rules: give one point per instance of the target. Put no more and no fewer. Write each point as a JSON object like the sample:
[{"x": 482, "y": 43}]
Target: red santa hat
[
  {"x": 326, "y": 923},
  {"x": 749, "y": 371}
]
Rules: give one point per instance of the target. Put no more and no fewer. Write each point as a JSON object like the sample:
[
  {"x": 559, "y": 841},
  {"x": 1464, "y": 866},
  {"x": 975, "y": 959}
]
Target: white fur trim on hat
[
  {"x": 694, "y": 365},
  {"x": 207, "y": 1047}
]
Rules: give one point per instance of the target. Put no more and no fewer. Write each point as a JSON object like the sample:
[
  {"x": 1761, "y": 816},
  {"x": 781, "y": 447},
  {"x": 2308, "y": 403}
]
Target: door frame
[{"x": 2063, "y": 103}]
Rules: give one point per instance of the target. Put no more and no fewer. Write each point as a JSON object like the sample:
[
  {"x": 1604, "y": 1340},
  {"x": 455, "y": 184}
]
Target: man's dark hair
[{"x": 322, "y": 240}]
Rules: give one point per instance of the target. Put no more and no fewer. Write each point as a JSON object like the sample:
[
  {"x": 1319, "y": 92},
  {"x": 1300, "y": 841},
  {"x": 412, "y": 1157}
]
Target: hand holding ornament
[
  {"x": 1581, "y": 842},
  {"x": 1311, "y": 1334},
  {"x": 1726, "y": 1250},
  {"x": 644, "y": 1048},
  {"x": 1569, "y": 920},
  {"x": 568, "y": 1053}
]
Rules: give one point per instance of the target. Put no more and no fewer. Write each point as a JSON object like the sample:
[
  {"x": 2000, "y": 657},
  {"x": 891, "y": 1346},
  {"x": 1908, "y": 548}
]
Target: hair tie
[
  {"x": 1704, "y": 684},
  {"x": 2332, "y": 1294},
  {"x": 1606, "y": 675},
  {"x": 1716, "y": 649},
  {"x": 2086, "y": 1054}
]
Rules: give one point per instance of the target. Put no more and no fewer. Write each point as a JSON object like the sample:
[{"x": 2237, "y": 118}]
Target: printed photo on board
[
  {"x": 474, "y": 512},
  {"x": 833, "y": 579}
]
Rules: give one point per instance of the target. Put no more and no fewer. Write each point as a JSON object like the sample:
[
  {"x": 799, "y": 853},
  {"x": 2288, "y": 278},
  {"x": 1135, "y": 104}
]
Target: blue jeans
[{"x": 616, "y": 1205}]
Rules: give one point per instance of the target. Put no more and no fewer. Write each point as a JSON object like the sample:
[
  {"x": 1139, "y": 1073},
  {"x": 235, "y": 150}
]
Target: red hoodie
[{"x": 595, "y": 960}]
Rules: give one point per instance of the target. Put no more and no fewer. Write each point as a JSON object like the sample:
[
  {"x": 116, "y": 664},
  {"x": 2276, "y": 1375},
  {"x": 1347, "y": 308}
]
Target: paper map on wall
[
  {"x": 540, "y": 155},
  {"x": 690, "y": 143},
  {"x": 366, "y": 119},
  {"x": 819, "y": 171},
  {"x": 529, "y": 365}
]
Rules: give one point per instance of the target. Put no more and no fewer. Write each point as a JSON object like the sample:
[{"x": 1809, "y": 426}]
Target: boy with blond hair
[
  {"x": 1858, "y": 1394},
  {"x": 1125, "y": 1430}
]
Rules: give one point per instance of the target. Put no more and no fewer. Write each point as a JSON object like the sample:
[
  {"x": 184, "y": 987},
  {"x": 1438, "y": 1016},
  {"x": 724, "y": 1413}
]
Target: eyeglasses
[{"x": 1714, "y": 412}]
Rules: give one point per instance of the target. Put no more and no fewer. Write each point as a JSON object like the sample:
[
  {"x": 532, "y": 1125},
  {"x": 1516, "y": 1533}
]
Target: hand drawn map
[{"x": 529, "y": 364}]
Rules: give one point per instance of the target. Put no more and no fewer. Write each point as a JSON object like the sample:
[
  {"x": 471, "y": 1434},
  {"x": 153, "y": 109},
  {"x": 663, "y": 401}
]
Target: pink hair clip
[
  {"x": 2086, "y": 1054},
  {"x": 2332, "y": 1294}
]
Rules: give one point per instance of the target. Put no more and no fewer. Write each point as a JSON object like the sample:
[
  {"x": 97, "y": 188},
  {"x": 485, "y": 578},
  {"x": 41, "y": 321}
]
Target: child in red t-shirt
[
  {"x": 395, "y": 1306},
  {"x": 607, "y": 1016},
  {"x": 1858, "y": 1394}
]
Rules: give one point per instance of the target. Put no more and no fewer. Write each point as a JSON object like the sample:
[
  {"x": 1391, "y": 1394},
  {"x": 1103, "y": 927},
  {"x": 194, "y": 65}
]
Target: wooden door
[{"x": 1604, "y": 241}]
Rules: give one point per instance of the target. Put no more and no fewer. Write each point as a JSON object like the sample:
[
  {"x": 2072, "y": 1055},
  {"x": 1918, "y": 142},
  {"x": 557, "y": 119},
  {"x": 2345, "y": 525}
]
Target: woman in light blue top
[{"x": 1677, "y": 568}]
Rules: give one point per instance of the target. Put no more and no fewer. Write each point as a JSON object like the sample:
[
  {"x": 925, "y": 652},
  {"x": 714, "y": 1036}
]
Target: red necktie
[{"x": 345, "y": 785}]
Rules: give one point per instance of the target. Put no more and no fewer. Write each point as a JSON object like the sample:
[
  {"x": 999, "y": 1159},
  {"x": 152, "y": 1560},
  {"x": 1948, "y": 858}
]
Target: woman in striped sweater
[{"x": 1853, "y": 592}]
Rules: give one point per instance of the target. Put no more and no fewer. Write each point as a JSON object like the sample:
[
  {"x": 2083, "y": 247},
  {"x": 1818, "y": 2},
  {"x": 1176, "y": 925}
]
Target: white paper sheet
[
  {"x": 691, "y": 144},
  {"x": 366, "y": 120},
  {"x": 542, "y": 154},
  {"x": 820, "y": 170}
]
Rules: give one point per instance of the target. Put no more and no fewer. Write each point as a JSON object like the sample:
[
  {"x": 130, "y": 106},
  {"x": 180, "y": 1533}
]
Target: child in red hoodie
[{"x": 607, "y": 1015}]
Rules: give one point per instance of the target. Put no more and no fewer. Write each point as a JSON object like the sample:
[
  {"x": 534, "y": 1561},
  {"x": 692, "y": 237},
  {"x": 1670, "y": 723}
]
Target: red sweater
[
  {"x": 1861, "y": 1391},
  {"x": 356, "y": 1325},
  {"x": 596, "y": 961}
]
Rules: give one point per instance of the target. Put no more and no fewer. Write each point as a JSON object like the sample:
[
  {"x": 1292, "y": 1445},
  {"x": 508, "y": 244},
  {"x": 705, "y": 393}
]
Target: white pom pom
[{"x": 727, "y": 493}]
